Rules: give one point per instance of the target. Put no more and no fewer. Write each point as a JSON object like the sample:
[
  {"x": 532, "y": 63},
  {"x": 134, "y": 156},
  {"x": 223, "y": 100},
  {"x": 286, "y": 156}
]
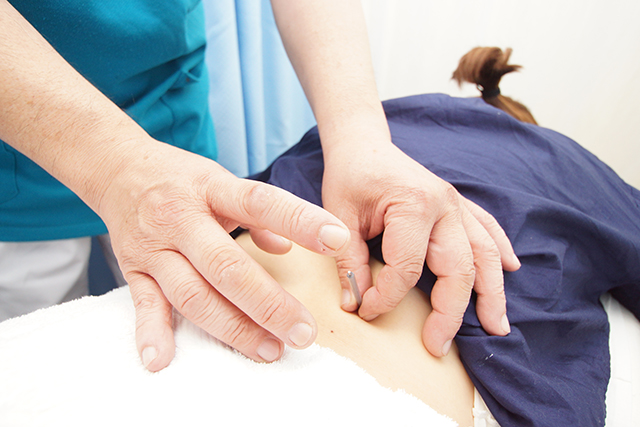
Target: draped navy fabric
[{"x": 574, "y": 224}]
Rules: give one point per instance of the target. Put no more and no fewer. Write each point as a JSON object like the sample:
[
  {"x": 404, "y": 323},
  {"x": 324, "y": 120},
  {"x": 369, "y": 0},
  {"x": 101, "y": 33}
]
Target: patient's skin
[{"x": 390, "y": 347}]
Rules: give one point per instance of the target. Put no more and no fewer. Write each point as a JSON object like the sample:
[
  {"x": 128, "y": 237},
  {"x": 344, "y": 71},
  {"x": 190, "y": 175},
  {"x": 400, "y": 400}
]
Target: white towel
[{"x": 76, "y": 365}]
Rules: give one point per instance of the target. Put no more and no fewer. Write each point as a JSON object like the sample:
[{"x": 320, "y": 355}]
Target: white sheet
[
  {"x": 77, "y": 365},
  {"x": 623, "y": 394}
]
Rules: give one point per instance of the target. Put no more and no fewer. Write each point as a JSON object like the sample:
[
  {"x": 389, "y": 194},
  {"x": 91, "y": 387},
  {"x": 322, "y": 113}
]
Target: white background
[{"x": 581, "y": 60}]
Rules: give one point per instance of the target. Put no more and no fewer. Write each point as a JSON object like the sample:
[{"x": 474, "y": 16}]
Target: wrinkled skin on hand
[
  {"x": 378, "y": 189},
  {"x": 169, "y": 213}
]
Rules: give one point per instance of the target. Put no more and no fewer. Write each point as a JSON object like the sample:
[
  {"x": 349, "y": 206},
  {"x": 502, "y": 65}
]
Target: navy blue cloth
[{"x": 574, "y": 224}]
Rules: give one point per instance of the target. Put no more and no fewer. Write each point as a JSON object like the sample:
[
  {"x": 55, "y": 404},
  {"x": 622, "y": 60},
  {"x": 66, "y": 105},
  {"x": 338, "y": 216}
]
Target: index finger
[
  {"x": 404, "y": 257},
  {"x": 264, "y": 206}
]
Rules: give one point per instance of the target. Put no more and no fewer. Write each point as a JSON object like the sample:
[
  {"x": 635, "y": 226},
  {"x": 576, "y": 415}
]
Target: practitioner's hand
[
  {"x": 378, "y": 189},
  {"x": 169, "y": 221},
  {"x": 168, "y": 212}
]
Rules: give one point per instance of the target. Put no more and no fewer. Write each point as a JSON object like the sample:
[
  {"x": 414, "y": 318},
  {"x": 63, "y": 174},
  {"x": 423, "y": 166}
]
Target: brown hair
[{"x": 484, "y": 67}]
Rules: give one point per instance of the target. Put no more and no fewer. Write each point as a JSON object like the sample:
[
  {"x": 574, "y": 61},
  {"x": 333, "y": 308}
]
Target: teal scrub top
[{"x": 145, "y": 55}]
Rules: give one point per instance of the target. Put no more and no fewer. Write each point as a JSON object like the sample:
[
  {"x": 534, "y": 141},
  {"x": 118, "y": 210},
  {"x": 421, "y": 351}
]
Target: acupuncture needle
[{"x": 354, "y": 287}]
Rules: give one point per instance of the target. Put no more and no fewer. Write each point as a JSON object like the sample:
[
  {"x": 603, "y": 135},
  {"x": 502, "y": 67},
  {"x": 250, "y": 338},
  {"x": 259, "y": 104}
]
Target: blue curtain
[{"x": 257, "y": 104}]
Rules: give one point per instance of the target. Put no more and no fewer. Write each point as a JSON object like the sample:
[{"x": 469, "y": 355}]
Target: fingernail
[
  {"x": 346, "y": 297},
  {"x": 149, "y": 354},
  {"x": 446, "y": 347},
  {"x": 333, "y": 236},
  {"x": 284, "y": 240},
  {"x": 269, "y": 350},
  {"x": 301, "y": 334},
  {"x": 370, "y": 317},
  {"x": 516, "y": 260},
  {"x": 505, "y": 324}
]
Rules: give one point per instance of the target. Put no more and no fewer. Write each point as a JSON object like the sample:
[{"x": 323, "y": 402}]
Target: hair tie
[{"x": 486, "y": 94}]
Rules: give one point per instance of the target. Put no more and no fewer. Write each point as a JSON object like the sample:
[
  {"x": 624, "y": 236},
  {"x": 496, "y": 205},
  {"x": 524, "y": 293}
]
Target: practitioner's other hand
[
  {"x": 376, "y": 188},
  {"x": 169, "y": 214}
]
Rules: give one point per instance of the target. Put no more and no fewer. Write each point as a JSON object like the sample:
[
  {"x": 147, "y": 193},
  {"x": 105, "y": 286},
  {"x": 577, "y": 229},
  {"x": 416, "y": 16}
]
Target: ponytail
[{"x": 484, "y": 67}]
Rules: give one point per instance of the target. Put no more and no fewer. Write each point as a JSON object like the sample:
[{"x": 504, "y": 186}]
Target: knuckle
[
  {"x": 161, "y": 209},
  {"x": 465, "y": 268},
  {"x": 390, "y": 299},
  {"x": 412, "y": 202},
  {"x": 345, "y": 263},
  {"x": 226, "y": 265},
  {"x": 394, "y": 284},
  {"x": 237, "y": 331},
  {"x": 296, "y": 219},
  {"x": 412, "y": 270},
  {"x": 450, "y": 195},
  {"x": 450, "y": 306},
  {"x": 263, "y": 201},
  {"x": 485, "y": 249},
  {"x": 269, "y": 312},
  {"x": 163, "y": 213},
  {"x": 135, "y": 254},
  {"x": 229, "y": 325},
  {"x": 485, "y": 218},
  {"x": 489, "y": 222},
  {"x": 194, "y": 302},
  {"x": 150, "y": 309},
  {"x": 146, "y": 303},
  {"x": 423, "y": 204},
  {"x": 495, "y": 293},
  {"x": 494, "y": 229},
  {"x": 451, "y": 317},
  {"x": 258, "y": 200}
]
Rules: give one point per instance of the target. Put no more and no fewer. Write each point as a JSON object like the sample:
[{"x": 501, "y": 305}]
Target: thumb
[{"x": 356, "y": 260}]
